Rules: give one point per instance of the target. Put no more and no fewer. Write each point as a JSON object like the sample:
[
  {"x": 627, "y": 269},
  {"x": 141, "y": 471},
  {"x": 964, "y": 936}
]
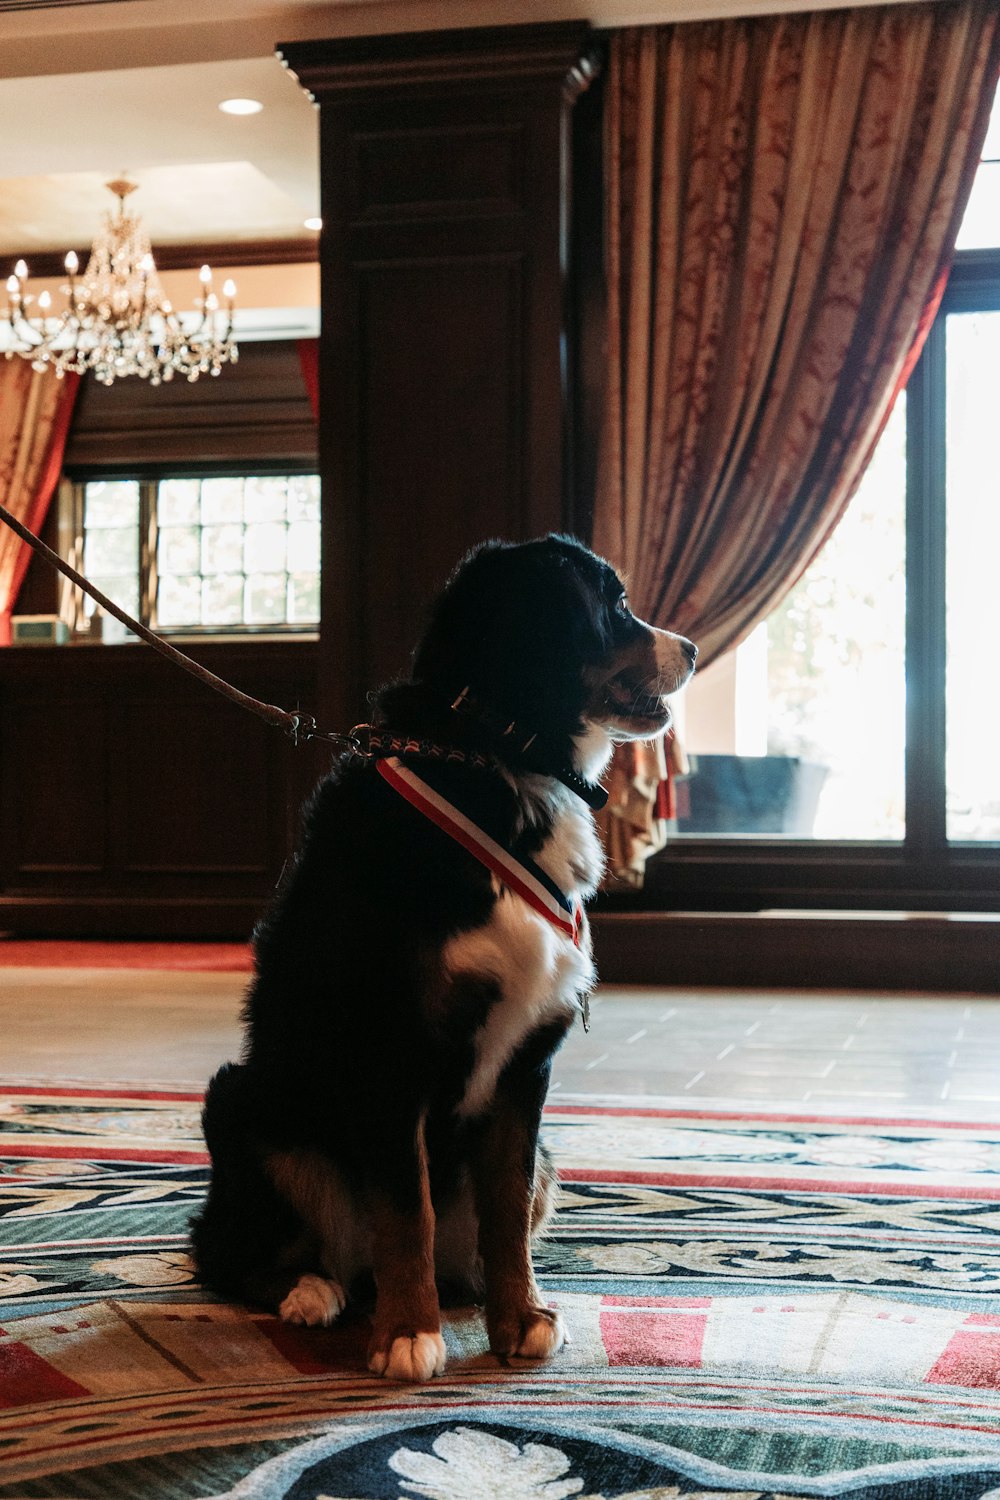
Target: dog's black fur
[{"x": 400, "y": 1026}]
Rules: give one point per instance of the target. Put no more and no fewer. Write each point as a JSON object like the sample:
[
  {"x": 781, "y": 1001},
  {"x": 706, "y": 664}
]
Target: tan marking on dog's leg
[
  {"x": 406, "y": 1341},
  {"x": 313, "y": 1185},
  {"x": 313, "y": 1301},
  {"x": 543, "y": 1201},
  {"x": 517, "y": 1320}
]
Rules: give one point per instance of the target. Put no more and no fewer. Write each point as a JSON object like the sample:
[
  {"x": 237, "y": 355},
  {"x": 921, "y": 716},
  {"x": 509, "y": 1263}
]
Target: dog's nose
[{"x": 689, "y": 648}]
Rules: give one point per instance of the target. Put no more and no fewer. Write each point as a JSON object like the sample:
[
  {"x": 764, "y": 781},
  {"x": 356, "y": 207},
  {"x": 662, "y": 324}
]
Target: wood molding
[
  {"x": 469, "y": 55},
  {"x": 48, "y": 265},
  {"x": 207, "y": 918}
]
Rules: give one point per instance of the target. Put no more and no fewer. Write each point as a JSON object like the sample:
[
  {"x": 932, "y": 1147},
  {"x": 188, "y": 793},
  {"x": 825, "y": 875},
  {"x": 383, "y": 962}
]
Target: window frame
[
  {"x": 923, "y": 871},
  {"x": 148, "y": 477}
]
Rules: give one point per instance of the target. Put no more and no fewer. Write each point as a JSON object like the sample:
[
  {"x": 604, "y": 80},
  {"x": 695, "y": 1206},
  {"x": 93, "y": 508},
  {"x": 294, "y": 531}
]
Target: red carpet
[{"x": 197, "y": 957}]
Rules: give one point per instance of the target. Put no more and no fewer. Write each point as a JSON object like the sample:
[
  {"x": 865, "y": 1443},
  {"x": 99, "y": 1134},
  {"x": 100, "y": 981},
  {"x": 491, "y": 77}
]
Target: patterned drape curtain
[
  {"x": 783, "y": 196},
  {"x": 35, "y": 412}
]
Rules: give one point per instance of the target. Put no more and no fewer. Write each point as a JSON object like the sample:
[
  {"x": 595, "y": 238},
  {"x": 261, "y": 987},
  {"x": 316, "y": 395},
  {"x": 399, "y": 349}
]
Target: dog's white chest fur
[{"x": 541, "y": 973}]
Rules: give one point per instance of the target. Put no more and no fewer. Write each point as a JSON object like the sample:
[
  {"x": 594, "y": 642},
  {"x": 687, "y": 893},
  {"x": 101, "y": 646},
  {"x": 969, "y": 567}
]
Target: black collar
[
  {"x": 526, "y": 744},
  {"x": 374, "y": 743}
]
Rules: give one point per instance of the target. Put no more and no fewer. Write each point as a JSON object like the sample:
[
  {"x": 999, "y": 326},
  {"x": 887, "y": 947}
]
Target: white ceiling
[{"x": 202, "y": 175}]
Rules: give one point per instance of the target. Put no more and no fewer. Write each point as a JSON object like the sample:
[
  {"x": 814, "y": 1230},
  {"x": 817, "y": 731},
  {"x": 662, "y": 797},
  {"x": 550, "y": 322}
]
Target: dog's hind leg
[
  {"x": 250, "y": 1241},
  {"x": 310, "y": 1182}
]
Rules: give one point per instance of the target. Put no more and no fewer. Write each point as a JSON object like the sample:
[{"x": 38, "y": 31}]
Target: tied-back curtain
[
  {"x": 784, "y": 194},
  {"x": 35, "y": 412}
]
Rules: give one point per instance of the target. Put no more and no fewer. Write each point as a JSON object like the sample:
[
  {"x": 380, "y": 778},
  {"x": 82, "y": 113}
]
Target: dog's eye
[{"x": 622, "y": 606}]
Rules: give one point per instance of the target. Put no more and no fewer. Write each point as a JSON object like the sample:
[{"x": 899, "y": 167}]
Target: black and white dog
[{"x": 422, "y": 962}]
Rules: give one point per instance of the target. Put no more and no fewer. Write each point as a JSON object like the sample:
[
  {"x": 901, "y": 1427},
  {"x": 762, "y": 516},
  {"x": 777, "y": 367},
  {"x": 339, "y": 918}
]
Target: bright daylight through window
[
  {"x": 972, "y": 549},
  {"x": 226, "y": 552},
  {"x": 801, "y": 731}
]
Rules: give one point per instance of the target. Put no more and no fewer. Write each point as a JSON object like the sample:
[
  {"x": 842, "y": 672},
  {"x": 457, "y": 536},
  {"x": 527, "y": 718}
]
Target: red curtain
[
  {"x": 783, "y": 194},
  {"x": 35, "y": 412},
  {"x": 309, "y": 361}
]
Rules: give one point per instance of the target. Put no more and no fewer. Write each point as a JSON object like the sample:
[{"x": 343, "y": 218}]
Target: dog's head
[{"x": 540, "y": 634}]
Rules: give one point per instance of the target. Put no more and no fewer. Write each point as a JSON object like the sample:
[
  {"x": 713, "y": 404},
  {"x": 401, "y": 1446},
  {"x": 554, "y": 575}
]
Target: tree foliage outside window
[{"x": 836, "y": 657}]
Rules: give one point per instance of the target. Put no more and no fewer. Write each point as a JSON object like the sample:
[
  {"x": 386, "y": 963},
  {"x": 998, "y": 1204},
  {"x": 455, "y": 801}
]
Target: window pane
[
  {"x": 303, "y": 497},
  {"x": 221, "y": 500},
  {"x": 111, "y": 502},
  {"x": 178, "y": 501},
  {"x": 121, "y": 591},
  {"x": 222, "y": 549},
  {"x": 801, "y": 731},
  {"x": 303, "y": 547},
  {"x": 111, "y": 541},
  {"x": 178, "y": 601},
  {"x": 266, "y": 498},
  {"x": 973, "y": 598},
  {"x": 264, "y": 599},
  {"x": 222, "y": 600},
  {"x": 178, "y": 549},
  {"x": 264, "y": 548},
  {"x": 113, "y": 552},
  {"x": 303, "y": 599}
]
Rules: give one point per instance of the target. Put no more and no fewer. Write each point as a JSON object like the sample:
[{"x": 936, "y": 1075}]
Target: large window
[
  {"x": 972, "y": 553},
  {"x": 205, "y": 553},
  {"x": 846, "y": 753},
  {"x": 801, "y": 734}
]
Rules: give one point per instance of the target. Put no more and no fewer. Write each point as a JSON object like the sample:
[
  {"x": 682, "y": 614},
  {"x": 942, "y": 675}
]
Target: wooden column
[{"x": 445, "y": 196}]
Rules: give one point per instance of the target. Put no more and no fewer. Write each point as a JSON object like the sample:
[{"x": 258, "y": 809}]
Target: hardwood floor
[{"x": 824, "y": 1050}]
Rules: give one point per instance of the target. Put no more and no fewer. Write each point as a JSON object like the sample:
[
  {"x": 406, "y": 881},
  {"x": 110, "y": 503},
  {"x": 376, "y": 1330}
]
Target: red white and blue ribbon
[{"x": 520, "y": 875}]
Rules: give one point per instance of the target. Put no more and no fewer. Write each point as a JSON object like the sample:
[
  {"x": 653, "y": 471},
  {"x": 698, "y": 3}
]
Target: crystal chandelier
[{"x": 116, "y": 320}]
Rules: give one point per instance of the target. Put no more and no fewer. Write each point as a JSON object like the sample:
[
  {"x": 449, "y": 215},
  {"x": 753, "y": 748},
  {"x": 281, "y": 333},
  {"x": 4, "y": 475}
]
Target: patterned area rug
[{"x": 760, "y": 1306}]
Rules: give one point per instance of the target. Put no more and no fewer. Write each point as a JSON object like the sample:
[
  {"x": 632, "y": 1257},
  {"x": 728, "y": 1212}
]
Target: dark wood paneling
[
  {"x": 445, "y": 179},
  {"x": 135, "y": 801},
  {"x": 55, "y": 754},
  {"x": 203, "y": 759},
  {"x": 461, "y": 476},
  {"x": 778, "y": 950},
  {"x": 256, "y": 410},
  {"x": 463, "y": 170}
]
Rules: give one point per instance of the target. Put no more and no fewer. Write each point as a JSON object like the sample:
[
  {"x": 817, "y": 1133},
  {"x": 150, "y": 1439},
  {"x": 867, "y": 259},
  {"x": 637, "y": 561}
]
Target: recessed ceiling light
[
  {"x": 312, "y": 223},
  {"x": 241, "y": 106}
]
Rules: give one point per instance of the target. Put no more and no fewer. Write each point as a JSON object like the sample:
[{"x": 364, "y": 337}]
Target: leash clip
[{"x": 303, "y": 727}]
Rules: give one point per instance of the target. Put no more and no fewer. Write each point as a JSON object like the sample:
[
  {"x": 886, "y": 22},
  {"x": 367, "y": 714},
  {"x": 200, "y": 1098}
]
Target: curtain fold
[
  {"x": 36, "y": 408},
  {"x": 783, "y": 197}
]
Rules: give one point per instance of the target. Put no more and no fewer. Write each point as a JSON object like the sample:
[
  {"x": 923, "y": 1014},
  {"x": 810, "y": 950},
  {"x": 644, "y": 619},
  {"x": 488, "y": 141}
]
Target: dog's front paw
[
  {"x": 313, "y": 1301},
  {"x": 414, "y": 1357},
  {"x": 534, "y": 1333}
]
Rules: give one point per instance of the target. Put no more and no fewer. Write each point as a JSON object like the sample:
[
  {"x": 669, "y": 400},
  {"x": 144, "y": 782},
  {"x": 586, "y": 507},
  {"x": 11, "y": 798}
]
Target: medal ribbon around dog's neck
[{"x": 521, "y": 875}]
